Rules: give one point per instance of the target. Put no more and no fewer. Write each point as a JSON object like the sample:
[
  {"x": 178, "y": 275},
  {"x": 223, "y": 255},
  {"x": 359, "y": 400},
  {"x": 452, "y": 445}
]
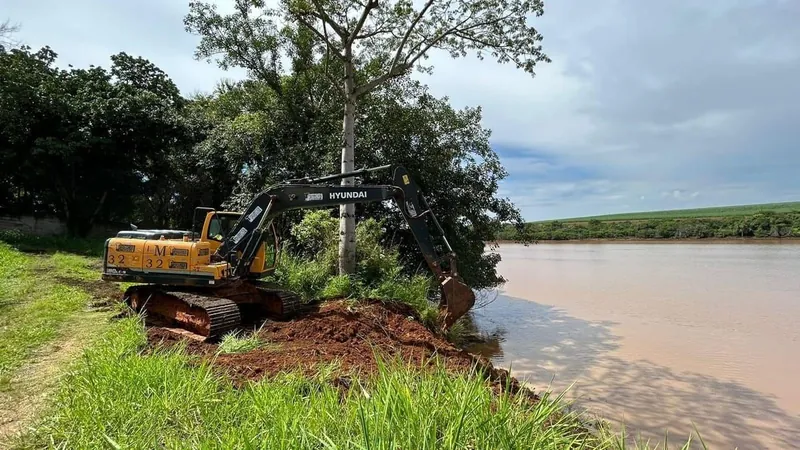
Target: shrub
[
  {"x": 317, "y": 238},
  {"x": 310, "y": 269},
  {"x": 338, "y": 286}
]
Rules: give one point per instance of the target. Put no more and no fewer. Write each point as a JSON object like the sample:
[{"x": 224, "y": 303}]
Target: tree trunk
[{"x": 347, "y": 220}]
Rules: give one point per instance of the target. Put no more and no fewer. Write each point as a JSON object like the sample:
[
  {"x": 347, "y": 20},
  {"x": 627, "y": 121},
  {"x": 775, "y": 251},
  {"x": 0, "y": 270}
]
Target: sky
[{"x": 647, "y": 105}]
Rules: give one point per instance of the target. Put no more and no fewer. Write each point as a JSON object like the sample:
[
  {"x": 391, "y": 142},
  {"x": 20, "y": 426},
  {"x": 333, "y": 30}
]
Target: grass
[
  {"x": 232, "y": 342},
  {"x": 719, "y": 211},
  {"x": 45, "y": 321},
  {"x": 33, "y": 306},
  {"x": 50, "y": 244},
  {"x": 119, "y": 397}
]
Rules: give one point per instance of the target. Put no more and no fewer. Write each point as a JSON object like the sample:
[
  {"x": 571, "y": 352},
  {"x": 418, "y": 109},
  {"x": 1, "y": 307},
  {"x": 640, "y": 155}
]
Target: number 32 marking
[{"x": 121, "y": 259}]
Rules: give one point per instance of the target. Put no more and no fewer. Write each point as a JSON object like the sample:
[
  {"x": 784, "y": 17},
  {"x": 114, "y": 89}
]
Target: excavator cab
[{"x": 218, "y": 224}]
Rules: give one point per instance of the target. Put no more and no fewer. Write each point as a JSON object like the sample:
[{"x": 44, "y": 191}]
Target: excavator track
[
  {"x": 291, "y": 305},
  {"x": 205, "y": 314}
]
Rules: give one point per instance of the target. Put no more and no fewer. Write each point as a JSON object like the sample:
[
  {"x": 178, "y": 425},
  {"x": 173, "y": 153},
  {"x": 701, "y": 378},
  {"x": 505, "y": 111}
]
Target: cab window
[
  {"x": 220, "y": 226},
  {"x": 214, "y": 229}
]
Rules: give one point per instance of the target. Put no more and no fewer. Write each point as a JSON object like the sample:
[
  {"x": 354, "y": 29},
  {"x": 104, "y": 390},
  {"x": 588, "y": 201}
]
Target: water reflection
[
  {"x": 548, "y": 348},
  {"x": 541, "y": 342}
]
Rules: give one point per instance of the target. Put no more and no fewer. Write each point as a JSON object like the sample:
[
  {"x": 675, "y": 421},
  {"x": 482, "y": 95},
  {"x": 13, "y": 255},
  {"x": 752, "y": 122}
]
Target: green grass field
[{"x": 719, "y": 211}]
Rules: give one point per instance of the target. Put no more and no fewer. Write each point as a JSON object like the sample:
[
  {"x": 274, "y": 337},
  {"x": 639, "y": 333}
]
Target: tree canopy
[
  {"x": 121, "y": 144},
  {"x": 356, "y": 47}
]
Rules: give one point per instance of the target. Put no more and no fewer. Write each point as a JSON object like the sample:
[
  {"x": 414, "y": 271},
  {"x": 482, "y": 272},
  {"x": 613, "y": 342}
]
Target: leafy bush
[
  {"x": 310, "y": 268},
  {"x": 306, "y": 277},
  {"x": 317, "y": 238}
]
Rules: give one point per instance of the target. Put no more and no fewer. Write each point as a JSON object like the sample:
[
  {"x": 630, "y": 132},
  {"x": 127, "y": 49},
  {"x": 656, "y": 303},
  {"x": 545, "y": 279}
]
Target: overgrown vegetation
[
  {"x": 310, "y": 267},
  {"x": 763, "y": 224}
]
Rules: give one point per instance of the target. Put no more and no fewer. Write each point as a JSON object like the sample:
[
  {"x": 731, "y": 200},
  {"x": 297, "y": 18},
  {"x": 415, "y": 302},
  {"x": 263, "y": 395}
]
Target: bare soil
[{"x": 350, "y": 334}]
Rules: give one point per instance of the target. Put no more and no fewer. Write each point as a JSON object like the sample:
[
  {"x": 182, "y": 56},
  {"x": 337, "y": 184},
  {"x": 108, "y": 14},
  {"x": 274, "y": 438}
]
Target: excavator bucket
[{"x": 457, "y": 299}]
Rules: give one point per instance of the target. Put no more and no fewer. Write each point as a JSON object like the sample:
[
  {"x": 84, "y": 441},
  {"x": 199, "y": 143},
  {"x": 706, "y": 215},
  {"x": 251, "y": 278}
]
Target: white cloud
[{"x": 652, "y": 95}]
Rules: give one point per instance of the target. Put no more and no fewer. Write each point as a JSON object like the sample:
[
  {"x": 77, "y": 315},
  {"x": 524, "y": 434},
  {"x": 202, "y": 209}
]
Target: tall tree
[
  {"x": 370, "y": 43},
  {"x": 449, "y": 155},
  {"x": 7, "y": 29}
]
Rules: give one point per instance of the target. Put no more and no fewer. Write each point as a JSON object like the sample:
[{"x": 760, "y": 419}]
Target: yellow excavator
[{"x": 207, "y": 282}]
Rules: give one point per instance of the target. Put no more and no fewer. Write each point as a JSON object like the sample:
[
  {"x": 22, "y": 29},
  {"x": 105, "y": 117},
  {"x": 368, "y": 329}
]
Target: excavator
[{"x": 205, "y": 284}]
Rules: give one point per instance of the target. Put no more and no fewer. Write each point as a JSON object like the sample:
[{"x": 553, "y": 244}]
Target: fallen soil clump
[{"x": 350, "y": 334}]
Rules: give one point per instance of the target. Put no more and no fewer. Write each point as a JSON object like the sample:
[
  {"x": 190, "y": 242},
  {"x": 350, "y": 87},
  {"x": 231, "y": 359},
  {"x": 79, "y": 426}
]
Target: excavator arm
[{"x": 239, "y": 247}]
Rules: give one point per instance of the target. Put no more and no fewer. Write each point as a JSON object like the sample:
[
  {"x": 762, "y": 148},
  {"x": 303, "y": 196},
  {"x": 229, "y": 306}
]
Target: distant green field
[{"x": 720, "y": 211}]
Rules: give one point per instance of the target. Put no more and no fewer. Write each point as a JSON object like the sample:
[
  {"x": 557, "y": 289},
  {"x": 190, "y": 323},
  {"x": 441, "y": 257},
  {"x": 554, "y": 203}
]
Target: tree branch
[
  {"x": 490, "y": 22},
  {"x": 408, "y": 34},
  {"x": 375, "y": 82},
  {"x": 271, "y": 76},
  {"x": 326, "y": 18},
  {"x": 369, "y": 6},
  {"x": 480, "y": 41},
  {"x": 330, "y": 78},
  {"x": 99, "y": 207},
  {"x": 322, "y": 36},
  {"x": 380, "y": 28},
  {"x": 327, "y": 59},
  {"x": 435, "y": 41},
  {"x": 373, "y": 33}
]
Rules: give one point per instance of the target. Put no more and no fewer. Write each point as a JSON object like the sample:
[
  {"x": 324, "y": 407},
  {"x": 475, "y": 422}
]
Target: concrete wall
[{"x": 50, "y": 226}]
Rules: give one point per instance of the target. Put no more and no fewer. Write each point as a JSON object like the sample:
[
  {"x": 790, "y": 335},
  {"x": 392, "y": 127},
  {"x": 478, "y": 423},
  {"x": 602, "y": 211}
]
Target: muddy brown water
[{"x": 658, "y": 336}]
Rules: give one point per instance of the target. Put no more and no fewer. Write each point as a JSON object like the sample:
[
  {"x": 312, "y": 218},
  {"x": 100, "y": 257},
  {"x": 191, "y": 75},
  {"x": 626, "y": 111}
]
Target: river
[{"x": 658, "y": 336}]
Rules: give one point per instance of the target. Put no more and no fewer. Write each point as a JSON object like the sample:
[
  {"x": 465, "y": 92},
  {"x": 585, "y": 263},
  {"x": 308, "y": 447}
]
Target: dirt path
[{"x": 38, "y": 379}]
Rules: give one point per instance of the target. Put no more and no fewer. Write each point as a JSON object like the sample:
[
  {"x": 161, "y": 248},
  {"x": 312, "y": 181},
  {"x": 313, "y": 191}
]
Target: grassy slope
[
  {"x": 32, "y": 305},
  {"x": 721, "y": 211},
  {"x": 123, "y": 397},
  {"x": 44, "y": 321}
]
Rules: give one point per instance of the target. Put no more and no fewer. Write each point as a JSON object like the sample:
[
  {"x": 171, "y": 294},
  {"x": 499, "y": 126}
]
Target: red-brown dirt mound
[{"x": 348, "y": 333}]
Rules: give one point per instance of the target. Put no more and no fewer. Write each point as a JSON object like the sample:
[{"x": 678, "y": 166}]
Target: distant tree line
[{"x": 766, "y": 224}]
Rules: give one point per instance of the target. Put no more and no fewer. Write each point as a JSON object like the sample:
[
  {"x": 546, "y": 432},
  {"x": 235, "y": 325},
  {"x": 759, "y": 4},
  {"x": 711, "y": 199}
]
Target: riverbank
[
  {"x": 352, "y": 373},
  {"x": 761, "y": 224},
  {"x": 710, "y": 240}
]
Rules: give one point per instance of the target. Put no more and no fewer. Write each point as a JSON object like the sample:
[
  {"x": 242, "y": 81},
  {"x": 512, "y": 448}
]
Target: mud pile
[{"x": 351, "y": 334}]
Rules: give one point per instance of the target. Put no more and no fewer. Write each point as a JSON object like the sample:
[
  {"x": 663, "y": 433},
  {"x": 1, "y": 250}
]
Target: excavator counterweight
[{"x": 209, "y": 282}]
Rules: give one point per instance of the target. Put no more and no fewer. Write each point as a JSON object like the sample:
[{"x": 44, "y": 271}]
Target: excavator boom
[{"x": 248, "y": 233}]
